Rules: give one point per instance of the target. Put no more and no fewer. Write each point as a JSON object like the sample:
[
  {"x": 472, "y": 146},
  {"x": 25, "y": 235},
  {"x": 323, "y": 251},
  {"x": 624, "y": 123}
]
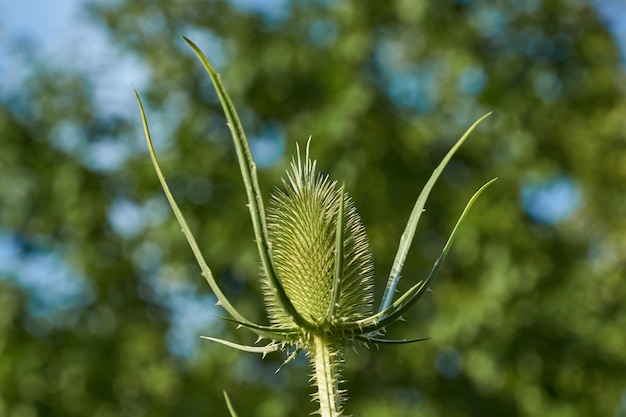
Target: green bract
[{"x": 317, "y": 265}]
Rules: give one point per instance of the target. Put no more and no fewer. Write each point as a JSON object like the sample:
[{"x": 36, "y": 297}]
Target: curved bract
[{"x": 317, "y": 266}]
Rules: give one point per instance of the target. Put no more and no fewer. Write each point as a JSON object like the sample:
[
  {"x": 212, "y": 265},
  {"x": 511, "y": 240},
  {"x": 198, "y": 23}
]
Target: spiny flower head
[{"x": 302, "y": 222}]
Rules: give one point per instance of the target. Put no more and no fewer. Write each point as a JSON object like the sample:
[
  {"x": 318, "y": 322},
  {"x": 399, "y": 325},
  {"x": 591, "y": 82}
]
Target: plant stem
[{"x": 325, "y": 361}]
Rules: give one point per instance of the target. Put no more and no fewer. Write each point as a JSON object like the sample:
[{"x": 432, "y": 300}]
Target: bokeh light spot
[{"x": 551, "y": 201}]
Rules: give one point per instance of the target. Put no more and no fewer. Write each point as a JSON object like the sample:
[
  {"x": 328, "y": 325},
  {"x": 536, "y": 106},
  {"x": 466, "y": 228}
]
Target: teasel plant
[{"x": 317, "y": 267}]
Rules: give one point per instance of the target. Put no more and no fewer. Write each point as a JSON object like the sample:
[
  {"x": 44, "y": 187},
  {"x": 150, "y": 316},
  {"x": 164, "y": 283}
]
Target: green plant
[{"x": 317, "y": 265}]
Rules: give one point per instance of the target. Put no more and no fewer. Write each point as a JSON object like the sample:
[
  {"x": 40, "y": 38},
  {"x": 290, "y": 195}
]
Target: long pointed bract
[
  {"x": 400, "y": 306},
  {"x": 206, "y": 271},
  {"x": 409, "y": 231},
  {"x": 231, "y": 409},
  {"x": 268, "y": 332},
  {"x": 379, "y": 341},
  {"x": 272, "y": 347},
  {"x": 339, "y": 250},
  {"x": 255, "y": 200}
]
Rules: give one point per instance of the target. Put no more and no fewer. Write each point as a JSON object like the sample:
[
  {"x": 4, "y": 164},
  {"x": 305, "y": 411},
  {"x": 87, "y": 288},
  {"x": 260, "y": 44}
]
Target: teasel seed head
[{"x": 302, "y": 225}]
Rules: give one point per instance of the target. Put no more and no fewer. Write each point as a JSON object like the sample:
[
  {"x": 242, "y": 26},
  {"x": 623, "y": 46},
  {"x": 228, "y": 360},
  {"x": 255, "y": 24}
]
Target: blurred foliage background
[{"x": 101, "y": 300}]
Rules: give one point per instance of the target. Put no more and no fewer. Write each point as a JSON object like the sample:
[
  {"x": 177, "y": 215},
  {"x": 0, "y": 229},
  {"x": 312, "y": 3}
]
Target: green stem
[{"x": 326, "y": 360}]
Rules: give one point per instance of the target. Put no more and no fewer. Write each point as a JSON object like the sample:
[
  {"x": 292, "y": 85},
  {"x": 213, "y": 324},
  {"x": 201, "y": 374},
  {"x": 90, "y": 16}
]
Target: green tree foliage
[{"x": 527, "y": 316}]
